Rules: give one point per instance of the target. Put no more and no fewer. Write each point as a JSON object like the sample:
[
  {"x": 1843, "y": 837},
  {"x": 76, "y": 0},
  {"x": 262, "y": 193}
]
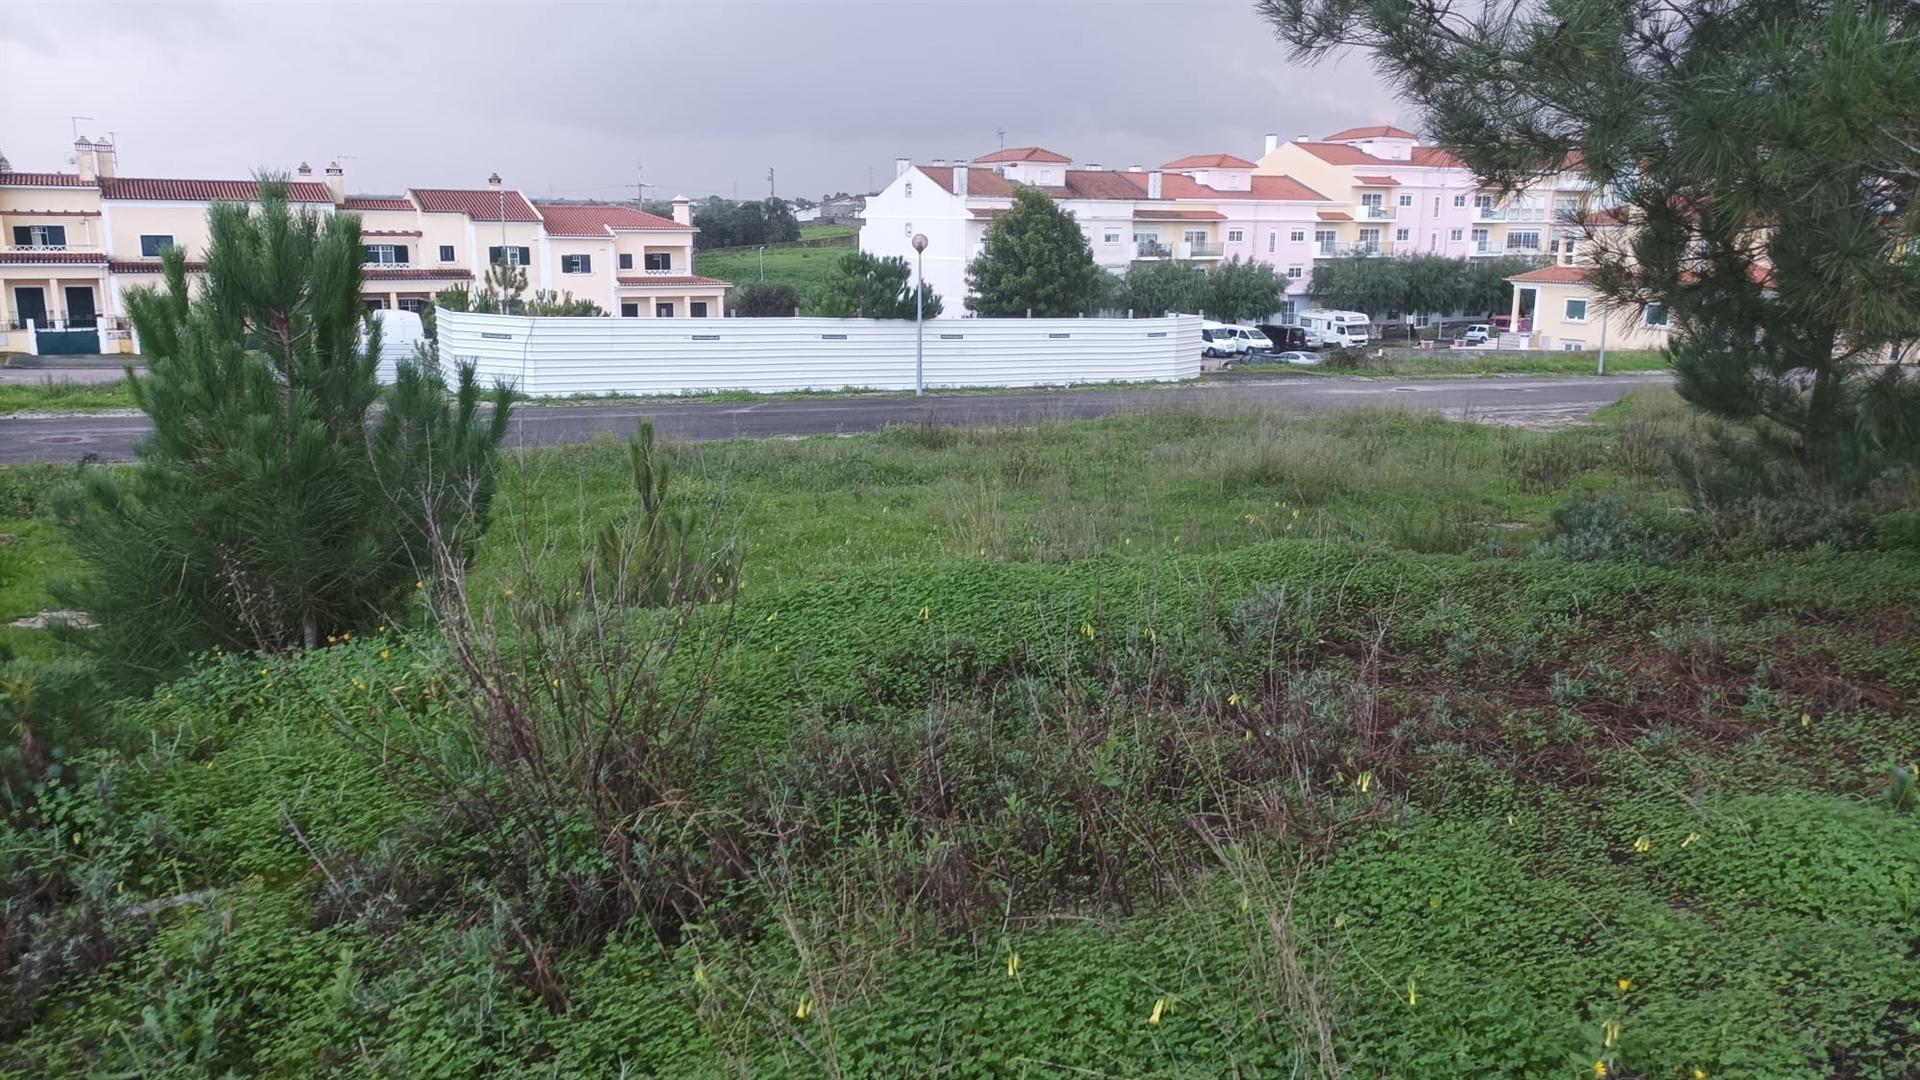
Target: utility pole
[
  {"x": 639, "y": 184},
  {"x": 769, "y": 181}
]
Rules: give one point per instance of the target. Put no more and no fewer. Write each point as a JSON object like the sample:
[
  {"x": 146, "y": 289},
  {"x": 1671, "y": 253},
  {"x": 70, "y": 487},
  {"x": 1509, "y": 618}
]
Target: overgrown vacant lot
[{"x": 1183, "y": 745}]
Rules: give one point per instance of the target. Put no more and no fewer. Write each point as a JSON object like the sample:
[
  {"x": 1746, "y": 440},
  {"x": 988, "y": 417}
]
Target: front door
[
  {"x": 29, "y": 303},
  {"x": 663, "y": 310},
  {"x": 80, "y": 313}
]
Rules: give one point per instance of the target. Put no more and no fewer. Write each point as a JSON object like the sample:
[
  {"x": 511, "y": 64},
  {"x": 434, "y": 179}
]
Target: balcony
[
  {"x": 390, "y": 265},
  {"x": 655, "y": 272},
  {"x": 50, "y": 248},
  {"x": 1370, "y": 212},
  {"x": 1365, "y": 250},
  {"x": 1200, "y": 249},
  {"x": 62, "y": 322},
  {"x": 1489, "y": 213},
  {"x": 1151, "y": 249}
]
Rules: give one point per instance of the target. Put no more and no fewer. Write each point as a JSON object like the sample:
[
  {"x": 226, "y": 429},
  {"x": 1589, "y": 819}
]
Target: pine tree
[
  {"x": 863, "y": 286},
  {"x": 1765, "y": 155},
  {"x": 263, "y": 512},
  {"x": 1037, "y": 261}
]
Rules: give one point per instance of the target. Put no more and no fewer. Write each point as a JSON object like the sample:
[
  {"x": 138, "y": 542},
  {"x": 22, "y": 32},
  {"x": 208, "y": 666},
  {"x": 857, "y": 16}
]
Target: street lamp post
[{"x": 919, "y": 319}]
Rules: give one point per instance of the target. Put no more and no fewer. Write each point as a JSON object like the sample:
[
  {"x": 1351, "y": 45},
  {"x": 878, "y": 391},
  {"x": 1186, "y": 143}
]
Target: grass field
[
  {"x": 1192, "y": 744},
  {"x": 58, "y": 395},
  {"x": 1402, "y": 363},
  {"x": 804, "y": 268}
]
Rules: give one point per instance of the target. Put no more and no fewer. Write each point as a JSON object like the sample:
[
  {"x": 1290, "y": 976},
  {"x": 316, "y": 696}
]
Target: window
[
  {"x": 576, "y": 264},
  {"x": 1436, "y": 206},
  {"x": 516, "y": 256},
  {"x": 375, "y": 303},
  {"x": 1288, "y": 309},
  {"x": 152, "y": 245},
  {"x": 1296, "y": 272},
  {"x": 626, "y": 260},
  {"x": 1298, "y": 236},
  {"x": 659, "y": 260},
  {"x": 698, "y": 309},
  {"x": 1235, "y": 236},
  {"x": 1569, "y": 345},
  {"x": 1455, "y": 235},
  {"x": 1524, "y": 240},
  {"x": 40, "y": 236},
  {"x": 1146, "y": 236},
  {"x": 1273, "y": 238},
  {"x": 909, "y": 189},
  {"x": 384, "y": 254},
  {"x": 1459, "y": 200},
  {"x": 1324, "y": 240},
  {"x": 1576, "y": 310},
  {"x": 909, "y": 228},
  {"x": 1370, "y": 205},
  {"x": 1401, "y": 235},
  {"x": 1196, "y": 237},
  {"x": 1111, "y": 236},
  {"x": 629, "y": 311},
  {"x": 663, "y": 310},
  {"x": 1656, "y": 315},
  {"x": 1369, "y": 238},
  {"x": 1406, "y": 200},
  {"x": 1480, "y": 240},
  {"x": 446, "y": 253},
  {"x": 1566, "y": 206},
  {"x": 413, "y": 303}
]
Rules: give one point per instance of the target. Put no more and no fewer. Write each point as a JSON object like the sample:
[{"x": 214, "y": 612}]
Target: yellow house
[
  {"x": 1561, "y": 312},
  {"x": 72, "y": 244}
]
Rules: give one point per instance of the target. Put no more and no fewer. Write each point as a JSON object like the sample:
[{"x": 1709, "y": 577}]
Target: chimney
[
  {"x": 1273, "y": 143},
  {"x": 1093, "y": 166},
  {"x": 304, "y": 172},
  {"x": 960, "y": 179},
  {"x": 1303, "y": 138},
  {"x": 83, "y": 160},
  {"x": 682, "y": 210},
  {"x": 1153, "y": 184},
  {"x": 337, "y": 183},
  {"x": 103, "y": 159},
  {"x": 493, "y": 182},
  {"x": 1136, "y": 168},
  {"x": 900, "y": 167}
]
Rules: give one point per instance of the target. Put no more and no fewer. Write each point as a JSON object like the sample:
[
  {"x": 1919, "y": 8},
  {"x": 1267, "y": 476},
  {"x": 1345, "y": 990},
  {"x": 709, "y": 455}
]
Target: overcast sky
[{"x": 565, "y": 99}]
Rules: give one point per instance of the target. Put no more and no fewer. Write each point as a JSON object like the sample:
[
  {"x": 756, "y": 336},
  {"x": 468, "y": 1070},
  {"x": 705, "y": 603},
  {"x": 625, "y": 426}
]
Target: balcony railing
[
  {"x": 1151, "y": 249},
  {"x": 659, "y": 271},
  {"x": 1343, "y": 251},
  {"x": 374, "y": 264},
  {"x": 84, "y": 322},
  {"x": 1370, "y": 212},
  {"x": 52, "y": 247},
  {"x": 1200, "y": 249},
  {"x": 1489, "y": 213}
]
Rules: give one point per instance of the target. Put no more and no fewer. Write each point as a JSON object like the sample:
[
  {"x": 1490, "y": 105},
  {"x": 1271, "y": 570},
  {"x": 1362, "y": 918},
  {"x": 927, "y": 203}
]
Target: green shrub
[{"x": 1602, "y": 527}]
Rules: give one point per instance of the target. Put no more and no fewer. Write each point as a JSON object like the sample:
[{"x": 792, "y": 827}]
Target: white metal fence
[{"x": 550, "y": 357}]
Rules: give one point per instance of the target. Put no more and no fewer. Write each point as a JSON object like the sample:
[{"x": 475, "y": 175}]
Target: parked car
[
  {"x": 1220, "y": 339},
  {"x": 1477, "y": 334},
  {"x": 1284, "y": 337},
  {"x": 1296, "y": 356}
]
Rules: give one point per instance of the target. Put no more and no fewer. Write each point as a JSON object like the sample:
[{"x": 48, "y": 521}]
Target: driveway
[{"x": 1527, "y": 400}]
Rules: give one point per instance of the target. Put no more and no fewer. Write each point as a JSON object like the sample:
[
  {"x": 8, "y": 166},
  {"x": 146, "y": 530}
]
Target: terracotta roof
[
  {"x": 1376, "y": 181},
  {"x": 1432, "y": 157},
  {"x": 1179, "y": 215},
  {"x": 1209, "y": 161},
  {"x": 1101, "y": 184},
  {"x": 1335, "y": 215},
  {"x": 41, "y": 179},
  {"x": 390, "y": 232},
  {"x": 1554, "y": 275},
  {"x": 1377, "y": 131},
  {"x": 33, "y": 258},
  {"x": 378, "y": 202},
  {"x": 480, "y": 204},
  {"x": 1023, "y": 153},
  {"x": 600, "y": 219},
  {"x": 1334, "y": 153},
  {"x": 987, "y": 183},
  {"x": 1283, "y": 187},
  {"x": 155, "y": 189},
  {"x": 150, "y": 266},
  {"x": 671, "y": 279},
  {"x": 53, "y": 213},
  {"x": 1271, "y": 188},
  {"x": 415, "y": 273}
]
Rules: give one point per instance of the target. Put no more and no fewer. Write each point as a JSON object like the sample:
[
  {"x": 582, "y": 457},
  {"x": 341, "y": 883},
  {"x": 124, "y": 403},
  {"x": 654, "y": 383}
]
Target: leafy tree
[
  {"x": 1372, "y": 286},
  {"x": 1037, "y": 260},
  {"x": 765, "y": 299},
  {"x": 1432, "y": 284},
  {"x": 1151, "y": 289},
  {"x": 866, "y": 286},
  {"x": 265, "y": 511},
  {"x": 724, "y": 224},
  {"x": 781, "y": 226},
  {"x": 1487, "y": 289},
  {"x": 1239, "y": 290},
  {"x": 1764, "y": 153}
]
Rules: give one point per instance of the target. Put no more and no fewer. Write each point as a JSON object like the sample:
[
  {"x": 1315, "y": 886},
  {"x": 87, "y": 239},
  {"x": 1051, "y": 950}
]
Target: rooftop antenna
[
  {"x": 76, "y": 125},
  {"x": 1001, "y": 134}
]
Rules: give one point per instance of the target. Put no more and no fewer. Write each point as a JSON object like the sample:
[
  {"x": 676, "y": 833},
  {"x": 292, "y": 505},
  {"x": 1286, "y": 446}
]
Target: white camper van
[{"x": 1336, "y": 329}]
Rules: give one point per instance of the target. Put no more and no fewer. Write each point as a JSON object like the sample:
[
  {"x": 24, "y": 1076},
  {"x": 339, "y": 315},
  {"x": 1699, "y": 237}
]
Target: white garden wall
[{"x": 549, "y": 357}]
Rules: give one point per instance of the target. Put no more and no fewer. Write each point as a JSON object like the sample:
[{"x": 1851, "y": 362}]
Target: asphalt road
[{"x": 1495, "y": 399}]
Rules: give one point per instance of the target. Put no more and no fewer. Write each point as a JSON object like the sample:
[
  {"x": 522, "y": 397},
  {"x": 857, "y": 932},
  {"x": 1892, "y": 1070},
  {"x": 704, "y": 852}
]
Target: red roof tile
[
  {"x": 1284, "y": 188},
  {"x": 1339, "y": 153},
  {"x": 390, "y": 232},
  {"x": 1179, "y": 215},
  {"x": 671, "y": 279},
  {"x": 1432, "y": 157},
  {"x": 149, "y": 266},
  {"x": 35, "y": 258},
  {"x": 415, "y": 273},
  {"x": 1101, "y": 184},
  {"x": 480, "y": 204},
  {"x": 1554, "y": 275},
  {"x": 600, "y": 219},
  {"x": 986, "y": 183},
  {"x": 1376, "y": 181},
  {"x": 1335, "y": 215},
  {"x": 41, "y": 179},
  {"x": 1270, "y": 188},
  {"x": 1023, "y": 153},
  {"x": 1377, "y": 131},
  {"x": 154, "y": 189},
  {"x": 378, "y": 202},
  {"x": 1209, "y": 161},
  {"x": 53, "y": 213}
]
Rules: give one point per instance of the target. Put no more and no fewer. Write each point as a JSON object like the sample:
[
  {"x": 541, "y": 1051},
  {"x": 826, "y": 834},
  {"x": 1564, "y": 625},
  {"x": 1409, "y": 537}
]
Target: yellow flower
[
  {"x": 384, "y": 653},
  {"x": 772, "y": 615},
  {"x": 699, "y": 974},
  {"x": 1233, "y": 700},
  {"x": 1599, "y": 1068},
  {"x": 263, "y": 673},
  {"x": 1250, "y": 519},
  {"x": 1159, "y": 1010},
  {"x": 357, "y": 684},
  {"x": 1339, "y": 921},
  {"x": 1699, "y": 1074},
  {"x": 1806, "y": 720},
  {"x": 803, "y": 1010},
  {"x": 1246, "y": 903},
  {"x": 381, "y": 629},
  {"x": 1643, "y": 845},
  {"x": 1692, "y": 839},
  {"x": 419, "y": 585},
  {"x": 1625, "y": 985},
  {"x": 1510, "y": 821},
  {"x": 1413, "y": 993},
  {"x": 331, "y": 639},
  {"x": 508, "y": 590},
  {"x": 1013, "y": 965},
  {"x": 348, "y": 636},
  {"x": 925, "y": 613},
  {"x": 1086, "y": 631},
  {"x": 1364, "y": 781}
]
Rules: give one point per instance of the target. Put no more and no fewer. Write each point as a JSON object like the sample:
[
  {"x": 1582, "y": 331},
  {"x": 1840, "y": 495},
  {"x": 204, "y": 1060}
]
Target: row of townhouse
[
  {"x": 1364, "y": 191},
  {"x": 73, "y": 243}
]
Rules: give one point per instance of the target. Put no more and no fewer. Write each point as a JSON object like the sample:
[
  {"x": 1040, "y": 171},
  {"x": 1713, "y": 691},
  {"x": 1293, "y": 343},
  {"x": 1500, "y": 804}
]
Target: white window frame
[
  {"x": 1459, "y": 200},
  {"x": 1111, "y": 236},
  {"x": 1457, "y": 235},
  {"x": 1646, "y": 317},
  {"x": 1574, "y": 345},
  {"x": 1406, "y": 200},
  {"x": 1236, "y": 236},
  {"x": 1297, "y": 236},
  {"x": 1401, "y": 236},
  {"x": 1296, "y": 272},
  {"x": 568, "y": 264}
]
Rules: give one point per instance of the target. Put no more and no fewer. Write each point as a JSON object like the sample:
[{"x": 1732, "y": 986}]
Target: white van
[
  {"x": 1339, "y": 329},
  {"x": 1221, "y": 339}
]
